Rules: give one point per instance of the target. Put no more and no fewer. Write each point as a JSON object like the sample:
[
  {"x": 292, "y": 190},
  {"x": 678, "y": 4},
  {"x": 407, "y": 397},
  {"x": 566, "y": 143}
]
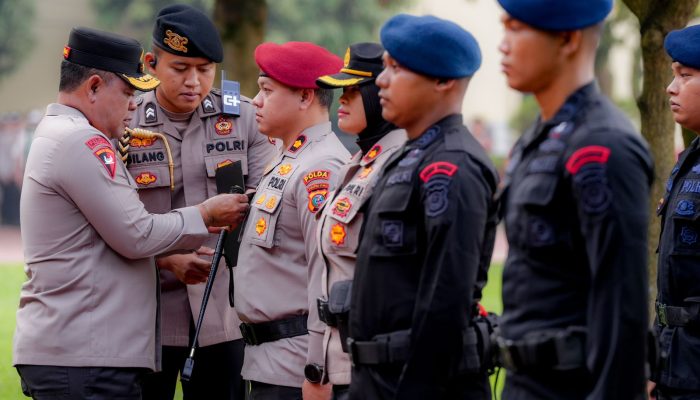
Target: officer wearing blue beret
[
  {"x": 575, "y": 205},
  {"x": 678, "y": 281},
  {"x": 188, "y": 112},
  {"x": 429, "y": 229}
]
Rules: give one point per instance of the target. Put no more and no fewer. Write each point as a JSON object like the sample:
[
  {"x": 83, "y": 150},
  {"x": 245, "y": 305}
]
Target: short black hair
[
  {"x": 325, "y": 97},
  {"x": 72, "y": 75}
]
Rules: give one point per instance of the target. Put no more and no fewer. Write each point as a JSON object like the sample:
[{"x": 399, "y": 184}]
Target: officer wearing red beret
[{"x": 278, "y": 277}]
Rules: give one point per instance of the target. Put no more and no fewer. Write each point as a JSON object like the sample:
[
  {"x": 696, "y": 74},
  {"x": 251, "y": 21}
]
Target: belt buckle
[
  {"x": 351, "y": 350},
  {"x": 661, "y": 314},
  {"x": 505, "y": 354},
  {"x": 248, "y": 334}
]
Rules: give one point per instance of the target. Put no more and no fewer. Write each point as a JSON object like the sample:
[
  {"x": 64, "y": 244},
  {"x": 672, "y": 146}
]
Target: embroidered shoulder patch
[
  {"x": 107, "y": 158},
  {"x": 316, "y": 175},
  {"x": 316, "y": 199},
  {"x": 437, "y": 178},
  {"x": 97, "y": 141},
  {"x": 587, "y": 155},
  {"x": 438, "y": 168}
]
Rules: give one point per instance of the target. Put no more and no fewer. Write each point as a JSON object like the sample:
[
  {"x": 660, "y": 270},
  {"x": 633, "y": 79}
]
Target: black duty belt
[
  {"x": 557, "y": 350},
  {"x": 255, "y": 334},
  {"x": 677, "y": 316},
  {"x": 382, "y": 349}
]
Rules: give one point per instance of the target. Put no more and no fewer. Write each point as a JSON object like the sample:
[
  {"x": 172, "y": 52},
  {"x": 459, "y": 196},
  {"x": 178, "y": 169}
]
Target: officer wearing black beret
[
  {"x": 678, "y": 282},
  {"x": 575, "y": 204},
  {"x": 429, "y": 228},
  {"x": 189, "y": 114}
]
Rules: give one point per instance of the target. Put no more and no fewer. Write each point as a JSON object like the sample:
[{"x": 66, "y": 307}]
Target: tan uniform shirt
[
  {"x": 91, "y": 297},
  {"x": 209, "y": 140},
  {"x": 279, "y": 268},
  {"x": 339, "y": 230}
]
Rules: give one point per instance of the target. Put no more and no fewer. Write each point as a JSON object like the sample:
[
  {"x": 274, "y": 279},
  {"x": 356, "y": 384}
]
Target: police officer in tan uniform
[
  {"x": 278, "y": 277},
  {"x": 185, "y": 108},
  {"x": 341, "y": 221},
  {"x": 87, "y": 322}
]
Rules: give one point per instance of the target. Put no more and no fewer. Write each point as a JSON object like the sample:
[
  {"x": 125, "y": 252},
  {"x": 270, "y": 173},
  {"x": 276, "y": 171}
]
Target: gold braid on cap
[{"x": 146, "y": 134}]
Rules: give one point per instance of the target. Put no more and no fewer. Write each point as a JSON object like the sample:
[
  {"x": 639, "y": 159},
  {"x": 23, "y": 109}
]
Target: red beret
[{"x": 296, "y": 64}]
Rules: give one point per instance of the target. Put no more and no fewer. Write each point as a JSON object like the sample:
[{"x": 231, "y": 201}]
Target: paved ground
[{"x": 11, "y": 245}]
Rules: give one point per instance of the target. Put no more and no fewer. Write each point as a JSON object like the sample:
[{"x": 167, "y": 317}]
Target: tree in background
[
  {"x": 656, "y": 19},
  {"x": 16, "y": 36}
]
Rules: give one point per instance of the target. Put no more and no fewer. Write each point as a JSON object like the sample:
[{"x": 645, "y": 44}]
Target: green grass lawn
[{"x": 13, "y": 276}]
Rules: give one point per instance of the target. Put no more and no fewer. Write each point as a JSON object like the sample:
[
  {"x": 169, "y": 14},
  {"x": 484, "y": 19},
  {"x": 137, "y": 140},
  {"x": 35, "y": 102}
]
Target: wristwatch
[{"x": 313, "y": 373}]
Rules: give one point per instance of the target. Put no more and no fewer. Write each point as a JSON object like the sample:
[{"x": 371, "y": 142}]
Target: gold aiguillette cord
[{"x": 146, "y": 134}]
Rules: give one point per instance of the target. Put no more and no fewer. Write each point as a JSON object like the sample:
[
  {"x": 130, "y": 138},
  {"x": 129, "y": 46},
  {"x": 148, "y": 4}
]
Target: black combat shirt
[
  {"x": 425, "y": 250},
  {"x": 679, "y": 270},
  {"x": 576, "y": 203}
]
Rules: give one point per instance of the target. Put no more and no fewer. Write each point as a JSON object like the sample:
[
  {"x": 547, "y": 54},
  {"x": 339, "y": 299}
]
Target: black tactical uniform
[
  {"x": 678, "y": 303},
  {"x": 430, "y": 229},
  {"x": 575, "y": 281}
]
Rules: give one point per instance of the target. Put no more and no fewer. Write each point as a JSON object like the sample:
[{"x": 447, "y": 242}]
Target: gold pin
[{"x": 140, "y": 133}]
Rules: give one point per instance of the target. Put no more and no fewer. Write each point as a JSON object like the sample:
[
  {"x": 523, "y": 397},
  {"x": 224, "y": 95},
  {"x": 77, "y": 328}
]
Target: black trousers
[
  {"x": 266, "y": 391},
  {"x": 48, "y": 382},
  {"x": 216, "y": 374},
  {"x": 341, "y": 392},
  {"x": 667, "y": 393}
]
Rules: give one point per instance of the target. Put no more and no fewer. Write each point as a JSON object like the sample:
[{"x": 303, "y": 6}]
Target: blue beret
[
  {"x": 684, "y": 46},
  {"x": 558, "y": 15},
  {"x": 185, "y": 31},
  {"x": 431, "y": 46}
]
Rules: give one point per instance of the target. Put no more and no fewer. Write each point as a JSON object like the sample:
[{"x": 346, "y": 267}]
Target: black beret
[
  {"x": 109, "y": 52},
  {"x": 558, "y": 15},
  {"x": 185, "y": 31},
  {"x": 683, "y": 46},
  {"x": 431, "y": 46},
  {"x": 363, "y": 62}
]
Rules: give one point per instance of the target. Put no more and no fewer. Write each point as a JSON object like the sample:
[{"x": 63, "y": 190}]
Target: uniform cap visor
[
  {"x": 144, "y": 83},
  {"x": 341, "y": 80}
]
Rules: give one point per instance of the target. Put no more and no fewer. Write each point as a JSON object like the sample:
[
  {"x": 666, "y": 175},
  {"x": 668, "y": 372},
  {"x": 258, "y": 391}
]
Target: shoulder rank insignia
[
  {"x": 373, "y": 153},
  {"x": 223, "y": 126},
  {"x": 175, "y": 41},
  {"x": 208, "y": 105},
  {"x": 298, "y": 143},
  {"x": 150, "y": 113},
  {"x": 338, "y": 234}
]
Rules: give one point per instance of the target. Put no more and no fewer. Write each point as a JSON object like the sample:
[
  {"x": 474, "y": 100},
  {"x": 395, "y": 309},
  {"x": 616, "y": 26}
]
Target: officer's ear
[
  {"x": 444, "y": 84},
  {"x": 571, "y": 41},
  {"x": 92, "y": 85},
  {"x": 150, "y": 60},
  {"x": 306, "y": 98}
]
